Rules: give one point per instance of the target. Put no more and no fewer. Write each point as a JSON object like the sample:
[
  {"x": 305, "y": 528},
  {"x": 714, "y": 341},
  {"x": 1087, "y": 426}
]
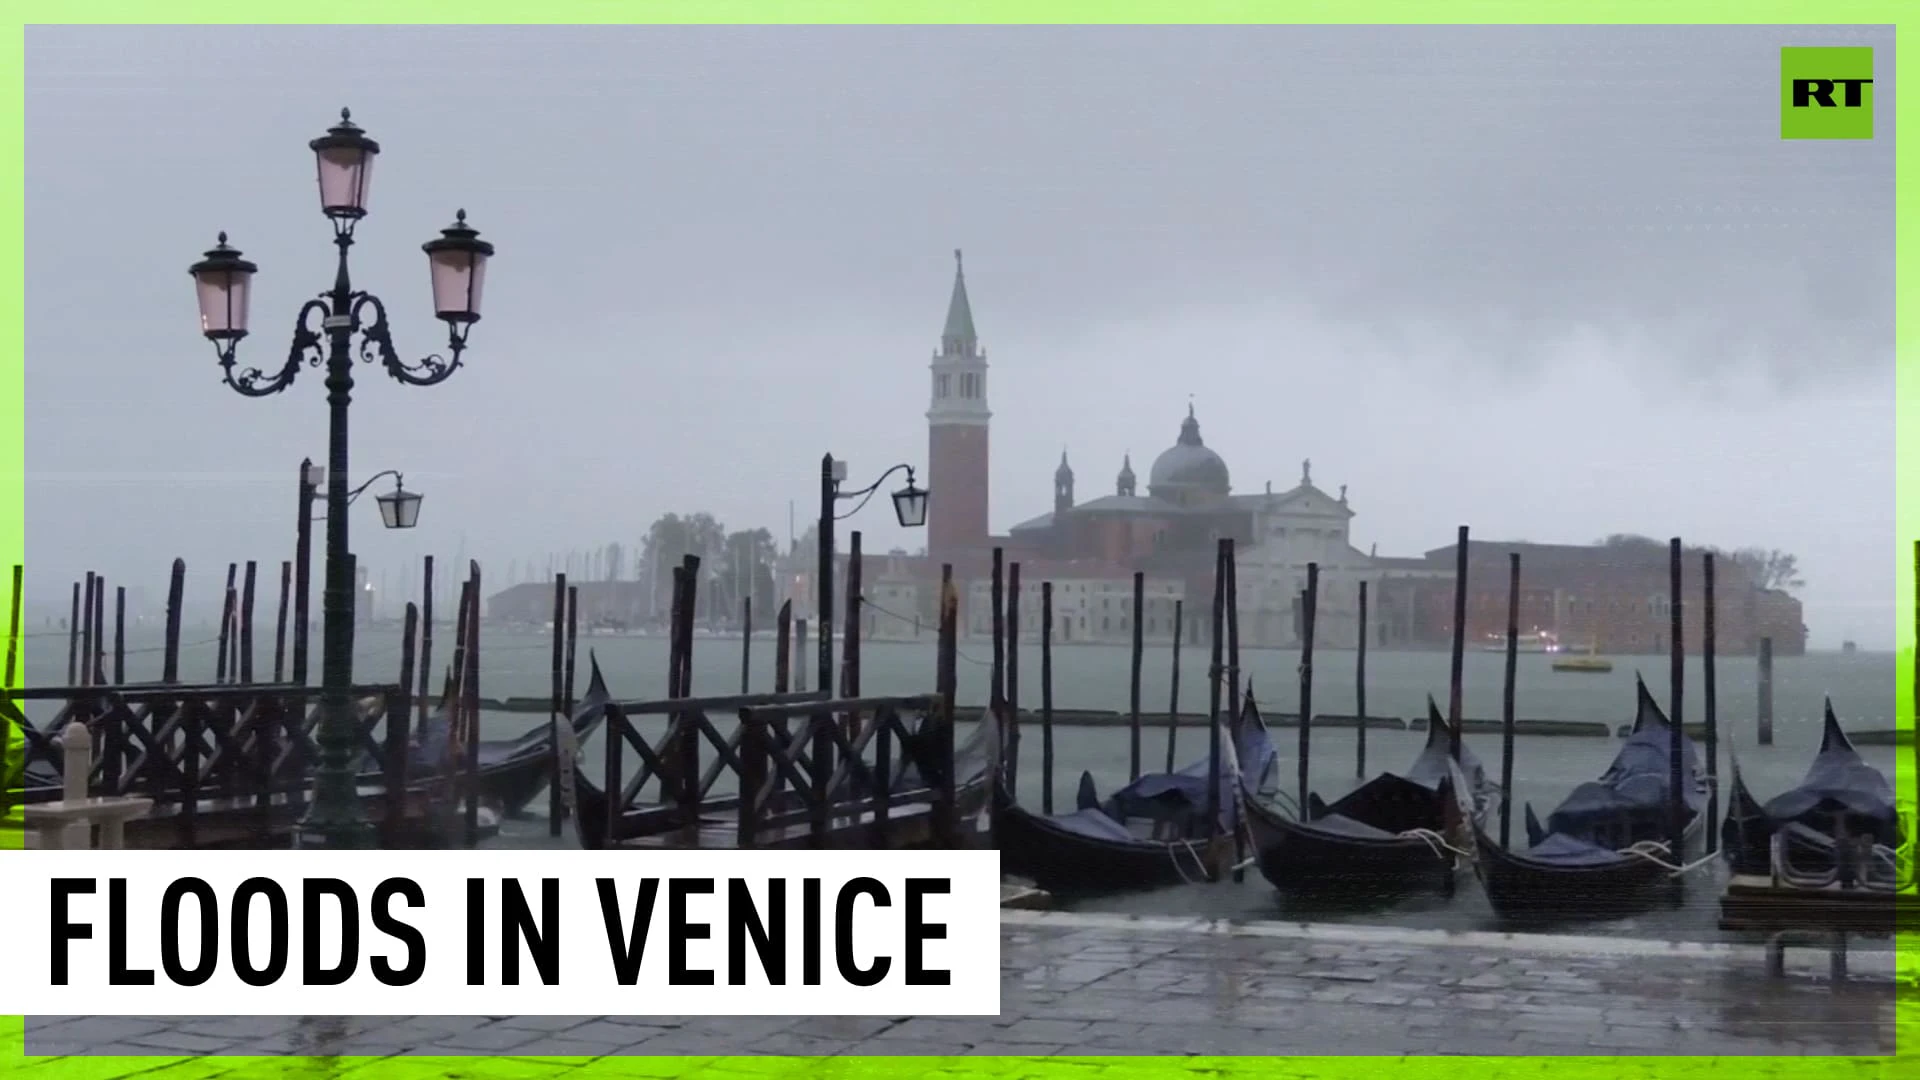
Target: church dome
[{"x": 1188, "y": 467}]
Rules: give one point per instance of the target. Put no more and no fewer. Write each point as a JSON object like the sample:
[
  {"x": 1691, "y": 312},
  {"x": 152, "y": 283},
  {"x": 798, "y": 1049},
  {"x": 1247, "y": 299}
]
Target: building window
[{"x": 943, "y": 385}]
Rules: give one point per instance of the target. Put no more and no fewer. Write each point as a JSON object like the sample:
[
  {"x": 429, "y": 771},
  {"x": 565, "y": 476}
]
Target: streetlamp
[
  {"x": 399, "y": 509},
  {"x": 457, "y": 262},
  {"x": 909, "y": 506}
]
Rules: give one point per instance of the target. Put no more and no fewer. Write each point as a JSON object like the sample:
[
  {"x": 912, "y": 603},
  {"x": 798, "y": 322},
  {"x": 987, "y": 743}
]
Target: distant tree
[
  {"x": 1630, "y": 540},
  {"x": 660, "y": 552},
  {"x": 672, "y": 537},
  {"x": 1769, "y": 569},
  {"x": 745, "y": 553}
]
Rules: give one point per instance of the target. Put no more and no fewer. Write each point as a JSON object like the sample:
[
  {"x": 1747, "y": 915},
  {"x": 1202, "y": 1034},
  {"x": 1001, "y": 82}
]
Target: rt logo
[{"x": 1826, "y": 93}]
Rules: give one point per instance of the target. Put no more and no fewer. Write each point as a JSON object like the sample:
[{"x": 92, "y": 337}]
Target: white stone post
[{"x": 77, "y": 751}]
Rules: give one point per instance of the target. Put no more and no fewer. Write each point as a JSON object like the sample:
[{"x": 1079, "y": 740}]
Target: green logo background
[{"x": 1815, "y": 121}]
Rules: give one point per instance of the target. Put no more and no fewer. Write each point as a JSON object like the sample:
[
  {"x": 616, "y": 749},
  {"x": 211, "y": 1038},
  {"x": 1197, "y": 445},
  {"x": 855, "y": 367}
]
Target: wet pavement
[{"x": 1111, "y": 985}]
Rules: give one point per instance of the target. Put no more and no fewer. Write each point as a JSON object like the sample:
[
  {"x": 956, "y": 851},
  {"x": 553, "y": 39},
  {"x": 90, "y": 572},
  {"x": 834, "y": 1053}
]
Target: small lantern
[
  {"x": 910, "y": 505},
  {"x": 316, "y": 476},
  {"x": 457, "y": 261},
  {"x": 344, "y": 160},
  {"x": 399, "y": 508},
  {"x": 223, "y": 281}
]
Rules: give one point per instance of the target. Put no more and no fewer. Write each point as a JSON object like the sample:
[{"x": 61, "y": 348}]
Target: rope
[
  {"x": 1172, "y": 853},
  {"x": 1653, "y": 850},
  {"x": 1437, "y": 842},
  {"x": 864, "y": 602}
]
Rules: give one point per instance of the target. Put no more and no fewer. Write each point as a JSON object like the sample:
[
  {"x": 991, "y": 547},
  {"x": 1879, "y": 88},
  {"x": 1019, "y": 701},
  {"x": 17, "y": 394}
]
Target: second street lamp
[
  {"x": 909, "y": 506},
  {"x": 399, "y": 509},
  {"x": 457, "y": 260}
]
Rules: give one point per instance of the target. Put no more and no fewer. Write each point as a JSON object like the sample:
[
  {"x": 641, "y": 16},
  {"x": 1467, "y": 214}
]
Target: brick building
[{"x": 1612, "y": 598}]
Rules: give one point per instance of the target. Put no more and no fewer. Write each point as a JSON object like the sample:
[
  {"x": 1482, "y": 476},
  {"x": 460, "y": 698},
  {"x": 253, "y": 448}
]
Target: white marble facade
[{"x": 1294, "y": 528}]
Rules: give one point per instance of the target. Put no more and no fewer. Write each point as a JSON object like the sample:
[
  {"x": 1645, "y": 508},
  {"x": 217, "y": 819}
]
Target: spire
[
  {"x": 1125, "y": 484},
  {"x": 1065, "y": 471},
  {"x": 959, "y": 335},
  {"x": 1190, "y": 429},
  {"x": 1063, "y": 485}
]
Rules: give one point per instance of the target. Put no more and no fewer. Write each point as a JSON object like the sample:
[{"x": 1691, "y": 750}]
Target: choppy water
[{"x": 1862, "y": 687}]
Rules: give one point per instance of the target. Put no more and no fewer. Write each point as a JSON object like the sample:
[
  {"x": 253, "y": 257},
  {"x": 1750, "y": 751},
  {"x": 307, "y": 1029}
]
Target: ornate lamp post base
[{"x": 325, "y": 829}]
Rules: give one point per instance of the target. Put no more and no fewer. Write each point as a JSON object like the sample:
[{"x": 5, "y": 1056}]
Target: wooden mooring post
[
  {"x": 73, "y": 640},
  {"x": 1011, "y": 735},
  {"x": 119, "y": 635},
  {"x": 1230, "y": 564},
  {"x": 1360, "y": 692},
  {"x": 86, "y": 631},
  {"x": 746, "y": 644},
  {"x": 1766, "y": 691},
  {"x": 1677, "y": 743},
  {"x": 280, "y": 624},
  {"x": 426, "y": 637},
  {"x": 13, "y": 624},
  {"x": 558, "y": 716},
  {"x": 224, "y": 640},
  {"x": 246, "y": 623},
  {"x": 1457, "y": 672},
  {"x": 1046, "y": 697},
  {"x": 946, "y": 662},
  {"x": 1173, "y": 692},
  {"x": 1709, "y": 701},
  {"x": 471, "y": 692},
  {"x": 799, "y": 669},
  {"x": 1214, "y": 672},
  {"x": 783, "y": 647},
  {"x": 1233, "y": 637},
  {"x": 176, "y": 594},
  {"x": 1309, "y": 606},
  {"x": 1506, "y": 700},
  {"x": 1133, "y": 685}
]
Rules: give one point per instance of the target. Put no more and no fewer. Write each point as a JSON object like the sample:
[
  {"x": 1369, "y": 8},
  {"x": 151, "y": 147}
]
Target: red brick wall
[
  {"x": 956, "y": 488},
  {"x": 1610, "y": 599}
]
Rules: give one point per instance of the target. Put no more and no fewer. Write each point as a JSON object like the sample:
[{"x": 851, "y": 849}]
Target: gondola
[
  {"x": 1095, "y": 848},
  {"x": 1586, "y": 862},
  {"x": 1391, "y": 835},
  {"x": 1840, "y": 794},
  {"x": 586, "y": 802},
  {"x": 511, "y": 771}
]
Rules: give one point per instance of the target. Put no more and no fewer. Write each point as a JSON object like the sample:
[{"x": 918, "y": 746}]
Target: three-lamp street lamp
[
  {"x": 457, "y": 262},
  {"x": 909, "y": 506}
]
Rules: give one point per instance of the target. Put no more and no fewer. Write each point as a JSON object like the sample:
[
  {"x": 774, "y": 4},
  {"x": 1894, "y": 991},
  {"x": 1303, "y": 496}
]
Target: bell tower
[{"x": 957, "y": 418}]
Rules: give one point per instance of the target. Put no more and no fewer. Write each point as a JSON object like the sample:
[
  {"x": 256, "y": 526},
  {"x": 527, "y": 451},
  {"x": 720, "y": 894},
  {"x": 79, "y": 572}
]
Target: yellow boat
[{"x": 1587, "y": 663}]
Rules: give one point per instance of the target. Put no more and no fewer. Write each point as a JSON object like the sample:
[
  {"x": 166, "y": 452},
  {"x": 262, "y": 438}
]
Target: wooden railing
[
  {"x": 194, "y": 750},
  {"x": 823, "y": 772},
  {"x": 840, "y": 760}
]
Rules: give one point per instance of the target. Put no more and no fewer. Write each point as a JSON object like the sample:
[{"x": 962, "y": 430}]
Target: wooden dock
[{"x": 1754, "y": 903}]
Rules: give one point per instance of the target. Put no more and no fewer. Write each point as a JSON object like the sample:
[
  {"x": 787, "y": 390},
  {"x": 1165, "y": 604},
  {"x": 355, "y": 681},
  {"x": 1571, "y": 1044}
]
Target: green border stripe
[{"x": 1907, "y": 448}]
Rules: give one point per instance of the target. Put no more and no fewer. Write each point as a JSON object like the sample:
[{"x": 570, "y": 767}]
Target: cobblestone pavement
[{"x": 1094, "y": 985}]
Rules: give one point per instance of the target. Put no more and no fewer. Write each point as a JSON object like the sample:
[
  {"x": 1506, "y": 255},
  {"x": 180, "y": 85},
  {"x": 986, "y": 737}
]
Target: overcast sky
[{"x": 1551, "y": 283}]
